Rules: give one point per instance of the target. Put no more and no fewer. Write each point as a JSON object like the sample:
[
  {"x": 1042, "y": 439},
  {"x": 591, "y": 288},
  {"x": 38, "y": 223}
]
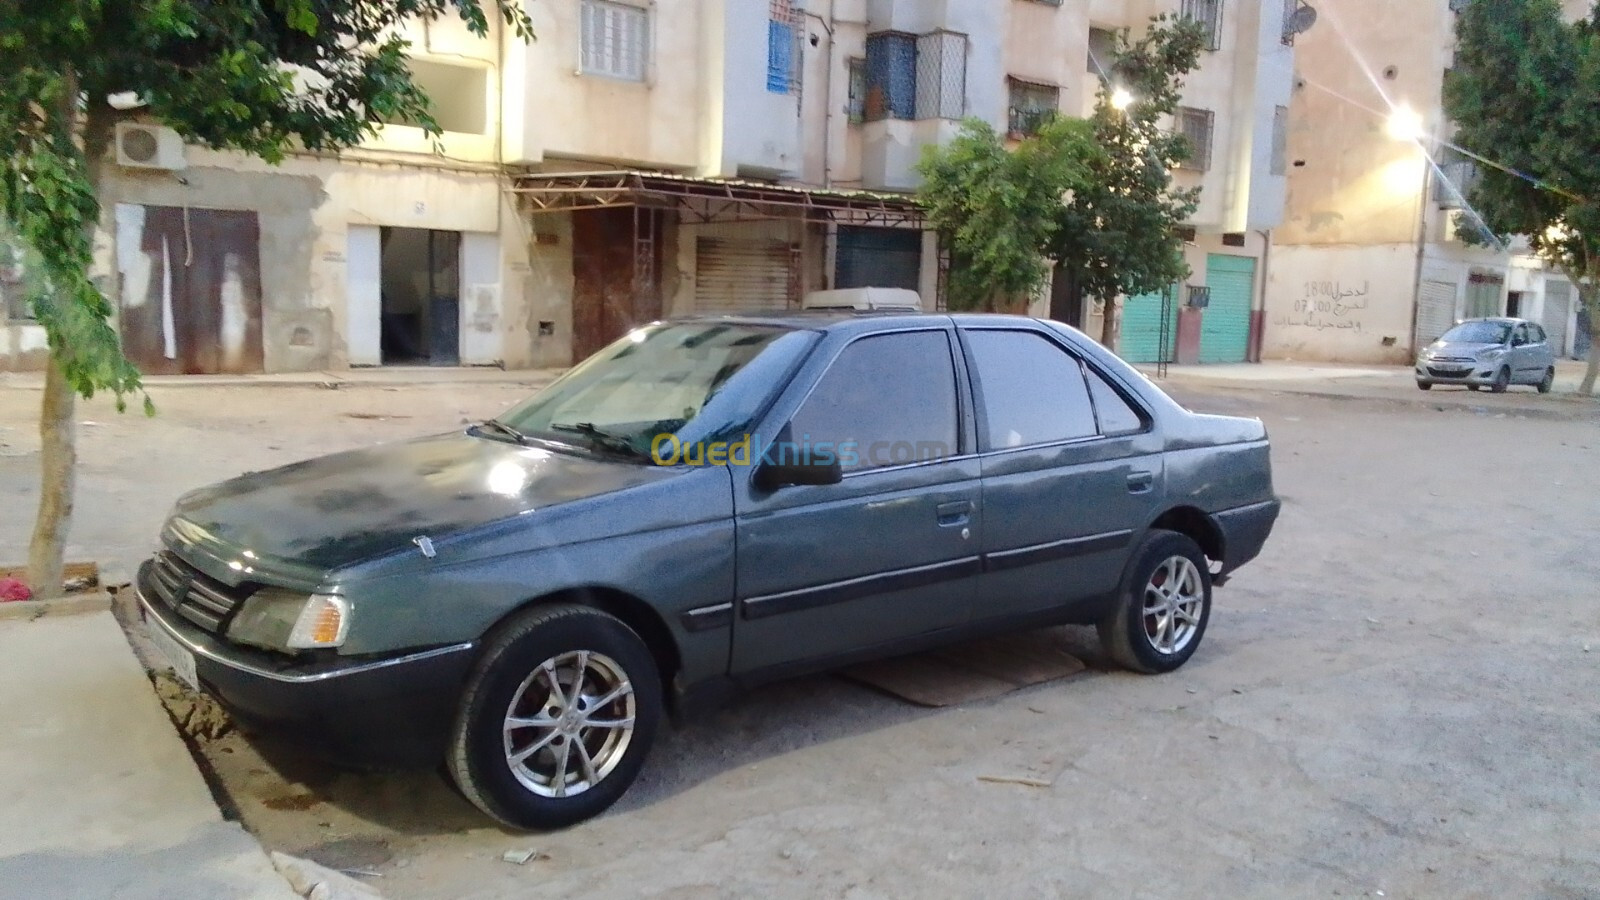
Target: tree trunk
[
  {"x": 58, "y": 460},
  {"x": 1592, "y": 304},
  {"x": 58, "y": 451},
  {"x": 1111, "y": 324}
]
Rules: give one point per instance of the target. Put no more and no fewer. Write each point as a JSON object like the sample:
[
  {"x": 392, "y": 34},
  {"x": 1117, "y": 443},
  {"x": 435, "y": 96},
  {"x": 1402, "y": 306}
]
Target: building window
[
  {"x": 783, "y": 48},
  {"x": 1196, "y": 125},
  {"x": 941, "y": 75},
  {"x": 616, "y": 40},
  {"x": 1458, "y": 175},
  {"x": 856, "y": 101},
  {"x": 1208, "y": 13},
  {"x": 1280, "y": 140},
  {"x": 1032, "y": 105},
  {"x": 1048, "y": 2},
  {"x": 912, "y": 77},
  {"x": 1102, "y": 51}
]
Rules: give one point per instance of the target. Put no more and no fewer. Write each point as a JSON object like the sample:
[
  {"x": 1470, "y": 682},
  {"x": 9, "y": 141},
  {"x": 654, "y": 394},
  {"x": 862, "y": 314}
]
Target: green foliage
[
  {"x": 260, "y": 77},
  {"x": 1095, "y": 195},
  {"x": 1525, "y": 93},
  {"x": 1120, "y": 234},
  {"x": 996, "y": 210}
]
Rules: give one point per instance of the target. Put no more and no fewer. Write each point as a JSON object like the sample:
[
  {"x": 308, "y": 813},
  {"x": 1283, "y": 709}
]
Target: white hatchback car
[{"x": 1494, "y": 353}]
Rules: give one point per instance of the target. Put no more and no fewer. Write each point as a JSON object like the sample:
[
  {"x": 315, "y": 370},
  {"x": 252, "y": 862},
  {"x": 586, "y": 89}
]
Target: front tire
[
  {"x": 557, "y": 718},
  {"x": 1502, "y": 380},
  {"x": 1425, "y": 385},
  {"x": 1163, "y": 605}
]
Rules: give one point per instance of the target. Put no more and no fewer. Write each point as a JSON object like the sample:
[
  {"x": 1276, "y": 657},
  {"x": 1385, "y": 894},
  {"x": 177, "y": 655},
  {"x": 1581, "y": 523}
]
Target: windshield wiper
[
  {"x": 502, "y": 428},
  {"x": 615, "y": 443}
]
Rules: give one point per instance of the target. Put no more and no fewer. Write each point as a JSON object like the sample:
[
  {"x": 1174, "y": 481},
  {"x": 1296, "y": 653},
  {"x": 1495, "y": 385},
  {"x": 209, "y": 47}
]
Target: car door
[
  {"x": 1072, "y": 472},
  {"x": 888, "y": 554},
  {"x": 1540, "y": 357},
  {"x": 1521, "y": 353}
]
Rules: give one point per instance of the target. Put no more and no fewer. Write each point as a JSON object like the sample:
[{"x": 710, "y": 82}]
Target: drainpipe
[
  {"x": 1260, "y": 336},
  {"x": 1422, "y": 243},
  {"x": 827, "y": 96}
]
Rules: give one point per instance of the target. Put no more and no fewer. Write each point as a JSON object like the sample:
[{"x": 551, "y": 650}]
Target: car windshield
[
  {"x": 698, "y": 381},
  {"x": 1478, "y": 333}
]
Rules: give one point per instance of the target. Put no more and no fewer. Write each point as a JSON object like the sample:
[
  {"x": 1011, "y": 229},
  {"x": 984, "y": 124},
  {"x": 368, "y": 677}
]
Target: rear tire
[
  {"x": 1163, "y": 606},
  {"x": 1502, "y": 380},
  {"x": 1548, "y": 382},
  {"x": 558, "y": 716}
]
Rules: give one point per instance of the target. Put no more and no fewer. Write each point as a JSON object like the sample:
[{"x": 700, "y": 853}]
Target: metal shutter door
[
  {"x": 1141, "y": 328},
  {"x": 1225, "y": 326},
  {"x": 741, "y": 275},
  {"x": 1436, "y": 311},
  {"x": 878, "y": 257},
  {"x": 1557, "y": 310}
]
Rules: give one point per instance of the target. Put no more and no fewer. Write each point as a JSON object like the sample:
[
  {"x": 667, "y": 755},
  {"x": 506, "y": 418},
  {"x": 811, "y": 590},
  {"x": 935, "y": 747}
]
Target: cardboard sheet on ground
[{"x": 969, "y": 672}]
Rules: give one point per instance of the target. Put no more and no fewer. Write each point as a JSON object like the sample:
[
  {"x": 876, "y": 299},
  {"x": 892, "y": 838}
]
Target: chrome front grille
[{"x": 199, "y": 598}]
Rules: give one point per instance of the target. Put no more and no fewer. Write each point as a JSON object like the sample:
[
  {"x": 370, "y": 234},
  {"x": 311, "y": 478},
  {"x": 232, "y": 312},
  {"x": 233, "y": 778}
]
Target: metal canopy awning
[{"x": 711, "y": 199}]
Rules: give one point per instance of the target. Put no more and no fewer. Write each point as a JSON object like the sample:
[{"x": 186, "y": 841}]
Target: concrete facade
[
  {"x": 699, "y": 89},
  {"x": 1369, "y": 260}
]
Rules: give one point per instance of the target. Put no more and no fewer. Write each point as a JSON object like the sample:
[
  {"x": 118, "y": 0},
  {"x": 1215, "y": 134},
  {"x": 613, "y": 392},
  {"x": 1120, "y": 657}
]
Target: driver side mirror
[{"x": 772, "y": 476}]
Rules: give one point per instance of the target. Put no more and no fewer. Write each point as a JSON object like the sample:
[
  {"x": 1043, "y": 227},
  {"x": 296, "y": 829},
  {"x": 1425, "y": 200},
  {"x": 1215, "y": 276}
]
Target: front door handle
[
  {"x": 1141, "y": 482},
  {"x": 954, "y": 513}
]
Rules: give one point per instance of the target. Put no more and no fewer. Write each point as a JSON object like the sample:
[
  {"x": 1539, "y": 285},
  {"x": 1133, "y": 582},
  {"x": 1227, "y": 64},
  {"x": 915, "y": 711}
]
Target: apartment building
[
  {"x": 1370, "y": 263},
  {"x": 648, "y": 158}
]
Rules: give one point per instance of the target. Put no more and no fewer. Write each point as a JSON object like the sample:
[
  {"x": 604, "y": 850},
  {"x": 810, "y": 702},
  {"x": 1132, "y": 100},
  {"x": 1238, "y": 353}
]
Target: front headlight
[
  {"x": 1492, "y": 354},
  {"x": 280, "y": 619}
]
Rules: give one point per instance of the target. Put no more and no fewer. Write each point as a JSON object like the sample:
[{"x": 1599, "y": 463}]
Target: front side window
[
  {"x": 696, "y": 381},
  {"x": 887, "y": 400},
  {"x": 616, "y": 40},
  {"x": 1030, "y": 390}
]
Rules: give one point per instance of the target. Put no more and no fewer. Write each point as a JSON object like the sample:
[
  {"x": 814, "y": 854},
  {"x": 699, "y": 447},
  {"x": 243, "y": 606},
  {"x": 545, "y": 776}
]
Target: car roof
[
  {"x": 824, "y": 319},
  {"x": 1503, "y": 320}
]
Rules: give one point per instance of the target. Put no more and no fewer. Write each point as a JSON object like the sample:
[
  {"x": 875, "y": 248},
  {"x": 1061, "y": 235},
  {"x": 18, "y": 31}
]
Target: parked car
[
  {"x": 1497, "y": 352},
  {"x": 704, "y": 505}
]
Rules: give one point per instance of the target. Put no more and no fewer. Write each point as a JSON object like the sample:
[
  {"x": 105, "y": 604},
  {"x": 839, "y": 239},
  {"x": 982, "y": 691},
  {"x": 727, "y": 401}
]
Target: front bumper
[
  {"x": 389, "y": 711},
  {"x": 1478, "y": 372}
]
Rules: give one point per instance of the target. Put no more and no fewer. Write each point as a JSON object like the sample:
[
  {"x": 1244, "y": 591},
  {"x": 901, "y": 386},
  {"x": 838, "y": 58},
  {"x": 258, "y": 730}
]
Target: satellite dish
[{"x": 1301, "y": 20}]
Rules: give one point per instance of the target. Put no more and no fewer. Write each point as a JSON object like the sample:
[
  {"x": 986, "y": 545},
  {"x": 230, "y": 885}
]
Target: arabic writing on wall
[{"x": 1327, "y": 304}]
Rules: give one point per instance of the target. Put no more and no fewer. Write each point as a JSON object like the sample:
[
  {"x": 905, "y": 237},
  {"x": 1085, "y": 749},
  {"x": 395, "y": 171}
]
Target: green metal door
[
  {"x": 1225, "y": 326},
  {"x": 1141, "y": 327}
]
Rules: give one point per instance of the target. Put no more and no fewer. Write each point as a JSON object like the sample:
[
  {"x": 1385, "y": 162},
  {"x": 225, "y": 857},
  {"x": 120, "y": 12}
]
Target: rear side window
[
  {"x": 1116, "y": 415},
  {"x": 887, "y": 400},
  {"x": 1031, "y": 390}
]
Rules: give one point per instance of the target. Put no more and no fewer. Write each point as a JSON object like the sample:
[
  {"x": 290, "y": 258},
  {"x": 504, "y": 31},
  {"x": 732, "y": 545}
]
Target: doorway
[
  {"x": 1514, "y": 304},
  {"x": 420, "y": 297}
]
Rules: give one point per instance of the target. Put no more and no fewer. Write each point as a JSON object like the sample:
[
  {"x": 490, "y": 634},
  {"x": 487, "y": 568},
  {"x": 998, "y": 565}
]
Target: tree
[
  {"x": 259, "y": 77},
  {"x": 1120, "y": 236},
  {"x": 996, "y": 210},
  {"x": 1525, "y": 97},
  {"x": 1095, "y": 196}
]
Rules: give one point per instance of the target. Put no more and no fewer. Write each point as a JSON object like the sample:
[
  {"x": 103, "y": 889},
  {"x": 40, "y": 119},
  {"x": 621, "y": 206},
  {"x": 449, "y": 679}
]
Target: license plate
[{"x": 176, "y": 655}]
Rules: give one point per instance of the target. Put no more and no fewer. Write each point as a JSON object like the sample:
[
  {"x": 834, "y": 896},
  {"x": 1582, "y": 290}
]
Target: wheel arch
[
  {"x": 632, "y": 611},
  {"x": 1198, "y": 527}
]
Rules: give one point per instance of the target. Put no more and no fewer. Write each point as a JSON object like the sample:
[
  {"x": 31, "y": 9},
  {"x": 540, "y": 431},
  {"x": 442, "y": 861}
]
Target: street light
[
  {"x": 1121, "y": 99},
  {"x": 1404, "y": 124}
]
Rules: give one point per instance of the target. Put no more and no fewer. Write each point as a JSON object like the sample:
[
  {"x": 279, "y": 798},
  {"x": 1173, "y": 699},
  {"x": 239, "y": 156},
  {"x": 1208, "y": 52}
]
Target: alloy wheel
[
  {"x": 1174, "y": 599},
  {"x": 569, "y": 723}
]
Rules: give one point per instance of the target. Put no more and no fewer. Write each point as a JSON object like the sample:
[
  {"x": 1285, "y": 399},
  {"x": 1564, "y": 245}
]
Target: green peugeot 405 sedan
[{"x": 704, "y": 505}]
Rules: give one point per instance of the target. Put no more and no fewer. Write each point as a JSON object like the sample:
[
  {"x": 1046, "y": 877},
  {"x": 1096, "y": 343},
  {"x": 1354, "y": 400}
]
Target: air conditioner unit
[{"x": 141, "y": 146}]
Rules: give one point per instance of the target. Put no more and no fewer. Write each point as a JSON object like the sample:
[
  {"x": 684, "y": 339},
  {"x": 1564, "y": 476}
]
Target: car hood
[
  {"x": 1458, "y": 348},
  {"x": 336, "y": 510}
]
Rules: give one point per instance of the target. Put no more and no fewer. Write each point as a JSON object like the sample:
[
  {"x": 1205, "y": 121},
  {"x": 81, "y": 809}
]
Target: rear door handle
[
  {"x": 1141, "y": 482},
  {"x": 954, "y": 513}
]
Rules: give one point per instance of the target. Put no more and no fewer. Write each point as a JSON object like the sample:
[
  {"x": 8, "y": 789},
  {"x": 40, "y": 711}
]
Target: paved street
[{"x": 1398, "y": 696}]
